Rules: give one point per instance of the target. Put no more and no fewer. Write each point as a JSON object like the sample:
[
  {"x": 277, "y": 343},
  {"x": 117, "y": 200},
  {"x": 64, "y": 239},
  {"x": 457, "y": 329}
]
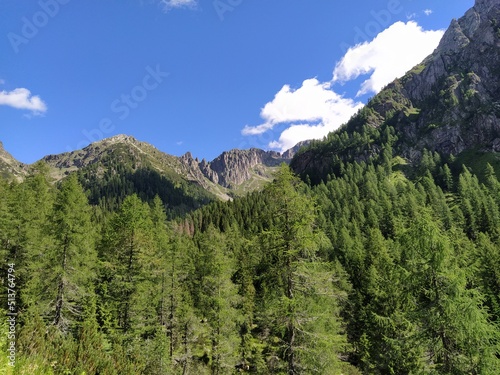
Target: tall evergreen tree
[
  {"x": 217, "y": 298},
  {"x": 297, "y": 285},
  {"x": 67, "y": 269},
  {"x": 457, "y": 333},
  {"x": 126, "y": 249}
]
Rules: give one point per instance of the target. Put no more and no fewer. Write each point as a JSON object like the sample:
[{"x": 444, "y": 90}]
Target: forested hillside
[
  {"x": 449, "y": 103},
  {"x": 370, "y": 272},
  {"x": 376, "y": 252}
]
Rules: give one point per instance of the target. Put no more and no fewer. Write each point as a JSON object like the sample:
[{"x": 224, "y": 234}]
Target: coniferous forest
[{"x": 375, "y": 268}]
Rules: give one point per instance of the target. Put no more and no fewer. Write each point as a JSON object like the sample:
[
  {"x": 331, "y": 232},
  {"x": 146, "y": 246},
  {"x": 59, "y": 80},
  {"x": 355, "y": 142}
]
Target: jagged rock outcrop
[
  {"x": 449, "y": 103},
  {"x": 234, "y": 172},
  {"x": 290, "y": 153},
  {"x": 458, "y": 91},
  {"x": 236, "y": 166}
]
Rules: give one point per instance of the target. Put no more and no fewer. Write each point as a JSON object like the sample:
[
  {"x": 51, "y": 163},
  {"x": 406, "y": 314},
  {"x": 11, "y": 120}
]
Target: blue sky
[{"x": 200, "y": 75}]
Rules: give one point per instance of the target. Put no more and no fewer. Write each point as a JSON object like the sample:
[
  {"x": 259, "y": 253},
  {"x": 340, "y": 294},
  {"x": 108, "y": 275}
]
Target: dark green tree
[
  {"x": 301, "y": 292},
  {"x": 64, "y": 281}
]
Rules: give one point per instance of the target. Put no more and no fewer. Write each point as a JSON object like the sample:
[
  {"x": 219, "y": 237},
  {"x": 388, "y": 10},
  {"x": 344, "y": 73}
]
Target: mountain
[
  {"x": 121, "y": 165},
  {"x": 10, "y": 168},
  {"x": 450, "y": 104},
  {"x": 233, "y": 173}
]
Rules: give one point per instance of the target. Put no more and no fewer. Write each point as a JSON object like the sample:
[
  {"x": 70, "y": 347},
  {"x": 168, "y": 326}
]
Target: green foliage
[
  {"x": 380, "y": 268},
  {"x": 123, "y": 177}
]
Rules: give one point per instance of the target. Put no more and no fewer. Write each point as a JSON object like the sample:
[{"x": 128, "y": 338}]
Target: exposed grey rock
[
  {"x": 234, "y": 167},
  {"x": 10, "y": 168},
  {"x": 449, "y": 103},
  {"x": 220, "y": 176},
  {"x": 289, "y": 154}
]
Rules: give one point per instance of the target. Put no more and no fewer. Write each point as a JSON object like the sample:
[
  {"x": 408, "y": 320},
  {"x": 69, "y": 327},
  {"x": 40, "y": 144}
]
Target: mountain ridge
[
  {"x": 449, "y": 103},
  {"x": 232, "y": 173}
]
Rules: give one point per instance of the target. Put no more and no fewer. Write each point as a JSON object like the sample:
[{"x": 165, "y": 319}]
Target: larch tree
[
  {"x": 455, "y": 328},
  {"x": 70, "y": 260},
  {"x": 301, "y": 290},
  {"x": 126, "y": 247}
]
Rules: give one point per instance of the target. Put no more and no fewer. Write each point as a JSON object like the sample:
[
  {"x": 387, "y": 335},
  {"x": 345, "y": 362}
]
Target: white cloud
[
  {"x": 301, "y": 132},
  {"x": 312, "y": 102},
  {"x": 22, "y": 99},
  {"x": 312, "y": 111},
  {"x": 390, "y": 55},
  {"x": 428, "y": 12},
  {"x": 315, "y": 109},
  {"x": 172, "y": 4}
]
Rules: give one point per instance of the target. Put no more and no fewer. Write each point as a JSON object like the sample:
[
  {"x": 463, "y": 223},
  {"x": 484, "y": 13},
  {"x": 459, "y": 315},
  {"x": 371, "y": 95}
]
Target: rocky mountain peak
[
  {"x": 449, "y": 103},
  {"x": 232, "y": 168},
  {"x": 458, "y": 87},
  {"x": 484, "y": 6},
  {"x": 455, "y": 38},
  {"x": 119, "y": 138}
]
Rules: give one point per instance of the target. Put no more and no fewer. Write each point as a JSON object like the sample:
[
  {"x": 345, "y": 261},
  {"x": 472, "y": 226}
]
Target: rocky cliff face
[
  {"x": 233, "y": 168},
  {"x": 10, "y": 168},
  {"x": 449, "y": 103},
  {"x": 458, "y": 90},
  {"x": 232, "y": 173}
]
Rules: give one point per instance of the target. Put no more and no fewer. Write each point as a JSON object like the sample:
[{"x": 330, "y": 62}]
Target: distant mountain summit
[
  {"x": 450, "y": 103},
  {"x": 232, "y": 173}
]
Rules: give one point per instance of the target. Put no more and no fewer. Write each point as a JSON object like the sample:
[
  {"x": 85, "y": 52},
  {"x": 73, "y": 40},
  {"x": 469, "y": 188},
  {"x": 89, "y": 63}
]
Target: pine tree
[{"x": 64, "y": 280}]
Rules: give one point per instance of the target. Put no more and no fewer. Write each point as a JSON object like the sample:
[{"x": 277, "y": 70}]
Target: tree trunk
[{"x": 60, "y": 288}]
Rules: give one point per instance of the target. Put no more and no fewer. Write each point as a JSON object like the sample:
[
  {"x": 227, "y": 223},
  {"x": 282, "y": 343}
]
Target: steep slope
[
  {"x": 450, "y": 103},
  {"x": 119, "y": 166},
  {"x": 10, "y": 168},
  {"x": 239, "y": 171},
  {"x": 123, "y": 148},
  {"x": 233, "y": 173}
]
